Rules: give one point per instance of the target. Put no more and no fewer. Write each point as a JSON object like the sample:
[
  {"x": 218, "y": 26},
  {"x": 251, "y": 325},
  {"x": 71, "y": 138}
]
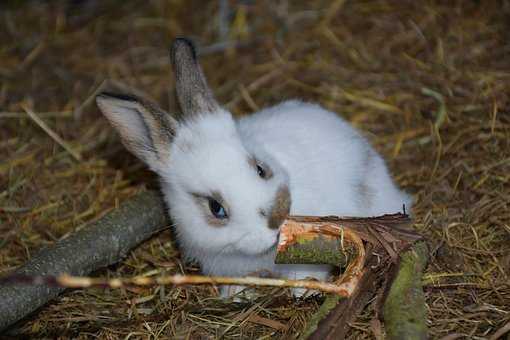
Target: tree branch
[
  {"x": 98, "y": 245},
  {"x": 404, "y": 308}
]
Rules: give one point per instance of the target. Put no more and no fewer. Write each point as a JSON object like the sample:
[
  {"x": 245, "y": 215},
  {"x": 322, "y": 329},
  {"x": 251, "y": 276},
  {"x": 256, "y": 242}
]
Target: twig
[{"x": 67, "y": 281}]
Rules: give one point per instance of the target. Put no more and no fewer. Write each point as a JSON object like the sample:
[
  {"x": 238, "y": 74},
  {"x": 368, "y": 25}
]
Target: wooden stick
[{"x": 98, "y": 245}]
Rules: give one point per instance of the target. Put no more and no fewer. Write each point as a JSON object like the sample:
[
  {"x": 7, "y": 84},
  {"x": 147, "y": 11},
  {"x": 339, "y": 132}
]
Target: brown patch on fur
[
  {"x": 281, "y": 207},
  {"x": 203, "y": 202}
]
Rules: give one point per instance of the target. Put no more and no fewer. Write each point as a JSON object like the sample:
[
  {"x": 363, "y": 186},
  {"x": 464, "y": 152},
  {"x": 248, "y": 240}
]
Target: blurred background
[{"x": 427, "y": 81}]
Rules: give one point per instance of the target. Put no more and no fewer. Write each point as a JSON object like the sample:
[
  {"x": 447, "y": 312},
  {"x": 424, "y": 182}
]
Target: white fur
[{"x": 329, "y": 167}]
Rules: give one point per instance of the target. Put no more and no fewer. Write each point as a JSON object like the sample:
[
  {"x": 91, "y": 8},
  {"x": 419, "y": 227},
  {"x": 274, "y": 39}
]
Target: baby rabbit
[{"x": 230, "y": 183}]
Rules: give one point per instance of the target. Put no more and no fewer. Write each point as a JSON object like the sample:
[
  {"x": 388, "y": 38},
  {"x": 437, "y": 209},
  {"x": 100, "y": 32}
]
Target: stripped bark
[{"x": 98, "y": 245}]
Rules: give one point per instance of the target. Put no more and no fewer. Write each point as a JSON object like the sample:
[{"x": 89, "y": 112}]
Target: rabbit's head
[{"x": 225, "y": 195}]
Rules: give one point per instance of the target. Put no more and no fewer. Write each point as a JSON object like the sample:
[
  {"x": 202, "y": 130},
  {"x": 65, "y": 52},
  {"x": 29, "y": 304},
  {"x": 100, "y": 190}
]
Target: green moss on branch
[
  {"x": 320, "y": 250},
  {"x": 404, "y": 308}
]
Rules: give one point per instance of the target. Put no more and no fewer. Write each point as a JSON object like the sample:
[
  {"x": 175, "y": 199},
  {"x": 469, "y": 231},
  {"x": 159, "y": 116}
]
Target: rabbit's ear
[
  {"x": 193, "y": 94},
  {"x": 146, "y": 130}
]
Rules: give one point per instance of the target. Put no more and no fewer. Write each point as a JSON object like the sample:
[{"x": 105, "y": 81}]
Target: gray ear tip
[{"x": 183, "y": 45}]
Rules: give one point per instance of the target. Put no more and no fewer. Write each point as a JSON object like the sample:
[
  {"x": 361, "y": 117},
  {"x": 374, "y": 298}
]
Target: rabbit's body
[
  {"x": 333, "y": 170},
  {"x": 229, "y": 184}
]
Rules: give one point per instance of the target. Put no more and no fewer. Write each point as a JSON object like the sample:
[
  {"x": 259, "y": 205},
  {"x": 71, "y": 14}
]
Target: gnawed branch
[{"x": 370, "y": 267}]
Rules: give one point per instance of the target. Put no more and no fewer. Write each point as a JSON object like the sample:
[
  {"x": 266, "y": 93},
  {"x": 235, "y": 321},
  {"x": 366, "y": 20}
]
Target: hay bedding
[{"x": 429, "y": 81}]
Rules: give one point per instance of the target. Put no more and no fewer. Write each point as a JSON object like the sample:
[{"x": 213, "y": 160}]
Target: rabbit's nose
[{"x": 280, "y": 208}]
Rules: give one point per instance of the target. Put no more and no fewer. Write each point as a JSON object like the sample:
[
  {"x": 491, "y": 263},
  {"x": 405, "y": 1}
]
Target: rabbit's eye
[
  {"x": 217, "y": 209},
  {"x": 261, "y": 171}
]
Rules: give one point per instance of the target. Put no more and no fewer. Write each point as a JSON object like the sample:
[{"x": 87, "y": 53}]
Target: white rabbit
[{"x": 230, "y": 183}]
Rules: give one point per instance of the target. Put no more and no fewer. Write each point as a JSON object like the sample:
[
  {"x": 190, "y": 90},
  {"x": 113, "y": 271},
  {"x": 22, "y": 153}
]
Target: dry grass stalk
[{"x": 52, "y": 133}]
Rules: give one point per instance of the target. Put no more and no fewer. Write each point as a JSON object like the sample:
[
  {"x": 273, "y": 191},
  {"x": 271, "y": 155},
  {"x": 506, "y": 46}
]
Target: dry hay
[{"x": 428, "y": 81}]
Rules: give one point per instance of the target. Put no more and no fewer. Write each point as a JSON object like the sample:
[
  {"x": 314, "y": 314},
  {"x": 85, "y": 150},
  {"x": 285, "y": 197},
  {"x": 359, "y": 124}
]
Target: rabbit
[{"x": 229, "y": 184}]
